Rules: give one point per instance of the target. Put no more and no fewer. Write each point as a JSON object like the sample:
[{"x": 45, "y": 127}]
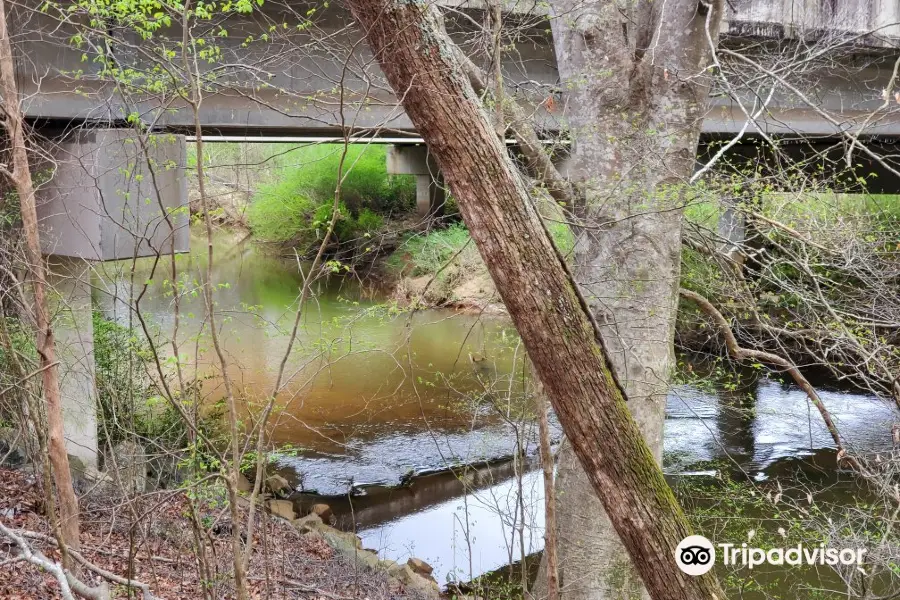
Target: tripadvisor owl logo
[{"x": 695, "y": 555}]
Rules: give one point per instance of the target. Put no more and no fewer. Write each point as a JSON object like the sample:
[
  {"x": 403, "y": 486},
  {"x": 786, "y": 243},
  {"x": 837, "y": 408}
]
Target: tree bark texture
[
  {"x": 21, "y": 177},
  {"x": 419, "y": 62},
  {"x": 635, "y": 93}
]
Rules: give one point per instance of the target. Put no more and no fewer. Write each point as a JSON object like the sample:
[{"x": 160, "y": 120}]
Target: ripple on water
[
  {"x": 388, "y": 459},
  {"x": 776, "y": 422}
]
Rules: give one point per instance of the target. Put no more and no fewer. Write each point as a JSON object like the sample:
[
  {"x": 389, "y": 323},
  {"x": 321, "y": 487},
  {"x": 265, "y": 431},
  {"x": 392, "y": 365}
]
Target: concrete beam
[{"x": 111, "y": 198}]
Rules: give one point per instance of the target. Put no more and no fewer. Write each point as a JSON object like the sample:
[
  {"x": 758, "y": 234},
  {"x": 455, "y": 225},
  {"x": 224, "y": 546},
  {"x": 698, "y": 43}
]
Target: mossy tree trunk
[
  {"x": 636, "y": 86},
  {"x": 552, "y": 318}
]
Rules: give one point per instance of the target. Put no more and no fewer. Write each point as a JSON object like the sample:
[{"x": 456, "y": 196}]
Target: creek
[{"x": 382, "y": 408}]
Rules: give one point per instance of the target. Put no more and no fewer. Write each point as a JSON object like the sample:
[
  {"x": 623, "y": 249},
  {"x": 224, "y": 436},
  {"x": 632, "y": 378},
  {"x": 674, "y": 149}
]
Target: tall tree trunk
[
  {"x": 636, "y": 92},
  {"x": 407, "y": 39},
  {"x": 21, "y": 178}
]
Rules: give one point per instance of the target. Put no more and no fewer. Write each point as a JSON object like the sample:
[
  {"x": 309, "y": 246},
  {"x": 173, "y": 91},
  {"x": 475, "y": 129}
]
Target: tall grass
[{"x": 426, "y": 254}]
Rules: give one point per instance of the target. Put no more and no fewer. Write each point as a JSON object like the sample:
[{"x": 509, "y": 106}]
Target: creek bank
[
  {"x": 284, "y": 563},
  {"x": 126, "y": 467},
  {"x": 316, "y": 527},
  {"x": 385, "y": 420},
  {"x": 413, "y": 578},
  {"x": 467, "y": 292},
  {"x": 442, "y": 268},
  {"x": 415, "y": 575},
  {"x": 226, "y": 202},
  {"x": 103, "y": 490}
]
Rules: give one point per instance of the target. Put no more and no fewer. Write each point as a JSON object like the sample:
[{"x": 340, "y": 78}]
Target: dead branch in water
[{"x": 740, "y": 353}]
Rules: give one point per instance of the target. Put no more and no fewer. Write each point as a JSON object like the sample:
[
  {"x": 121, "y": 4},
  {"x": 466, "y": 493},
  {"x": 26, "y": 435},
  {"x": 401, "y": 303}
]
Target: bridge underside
[{"x": 281, "y": 72}]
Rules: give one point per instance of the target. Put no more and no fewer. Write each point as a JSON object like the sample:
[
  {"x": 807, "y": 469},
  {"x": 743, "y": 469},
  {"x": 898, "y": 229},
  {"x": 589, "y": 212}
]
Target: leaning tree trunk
[
  {"x": 539, "y": 293},
  {"x": 636, "y": 92},
  {"x": 49, "y": 366}
]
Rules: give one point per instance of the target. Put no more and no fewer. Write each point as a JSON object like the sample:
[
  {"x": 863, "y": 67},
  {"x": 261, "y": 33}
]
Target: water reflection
[
  {"x": 469, "y": 535},
  {"x": 756, "y": 428},
  {"x": 760, "y": 433},
  {"x": 359, "y": 371}
]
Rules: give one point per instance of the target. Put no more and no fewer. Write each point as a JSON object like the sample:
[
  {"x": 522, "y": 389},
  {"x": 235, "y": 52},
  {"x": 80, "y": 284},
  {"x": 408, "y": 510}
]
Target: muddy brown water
[{"x": 380, "y": 403}]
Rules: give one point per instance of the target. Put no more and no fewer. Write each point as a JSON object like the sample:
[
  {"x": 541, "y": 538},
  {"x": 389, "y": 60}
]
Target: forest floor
[{"x": 152, "y": 533}]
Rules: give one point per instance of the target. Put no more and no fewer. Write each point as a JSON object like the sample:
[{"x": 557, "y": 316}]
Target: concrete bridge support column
[
  {"x": 887, "y": 19},
  {"x": 430, "y": 190},
  {"x": 430, "y": 196},
  {"x": 112, "y": 196},
  {"x": 70, "y": 280},
  {"x": 732, "y": 228}
]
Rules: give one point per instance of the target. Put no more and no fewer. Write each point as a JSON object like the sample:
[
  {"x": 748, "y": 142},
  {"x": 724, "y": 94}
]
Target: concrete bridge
[
  {"x": 284, "y": 71},
  {"x": 279, "y": 71}
]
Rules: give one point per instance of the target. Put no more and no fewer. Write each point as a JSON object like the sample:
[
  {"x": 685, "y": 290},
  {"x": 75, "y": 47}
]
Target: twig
[
  {"x": 29, "y": 376},
  {"x": 109, "y": 576},
  {"x": 38, "y": 559},
  {"x": 789, "y": 230},
  {"x": 742, "y": 354},
  {"x": 308, "y": 589}
]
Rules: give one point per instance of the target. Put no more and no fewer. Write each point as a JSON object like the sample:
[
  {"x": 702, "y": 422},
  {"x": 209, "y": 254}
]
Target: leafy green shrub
[
  {"x": 344, "y": 226},
  {"x": 369, "y": 221},
  {"x": 22, "y": 342},
  {"x": 700, "y": 274},
  {"x": 129, "y": 404},
  {"x": 703, "y": 211},
  {"x": 10, "y": 213},
  {"x": 298, "y": 206},
  {"x": 122, "y": 381},
  {"x": 15, "y": 359},
  {"x": 276, "y": 216},
  {"x": 366, "y": 183}
]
